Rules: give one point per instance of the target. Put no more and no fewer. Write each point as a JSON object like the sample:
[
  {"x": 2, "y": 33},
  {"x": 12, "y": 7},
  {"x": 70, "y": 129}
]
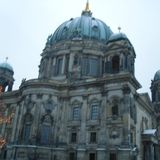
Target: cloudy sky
[{"x": 26, "y": 24}]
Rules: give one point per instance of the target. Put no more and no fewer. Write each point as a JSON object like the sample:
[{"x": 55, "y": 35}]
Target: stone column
[
  {"x": 15, "y": 121},
  {"x": 71, "y": 62},
  {"x": 49, "y": 68},
  {"x": 19, "y": 122},
  {"x": 83, "y": 122},
  {"x": 102, "y": 131},
  {"x": 63, "y": 64},
  {"x": 152, "y": 151},
  {"x": 126, "y": 115},
  {"x": 10, "y": 86},
  {"x": 35, "y": 124}
]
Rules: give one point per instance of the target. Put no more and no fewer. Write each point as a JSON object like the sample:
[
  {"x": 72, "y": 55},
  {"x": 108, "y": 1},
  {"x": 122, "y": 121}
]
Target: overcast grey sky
[{"x": 26, "y": 24}]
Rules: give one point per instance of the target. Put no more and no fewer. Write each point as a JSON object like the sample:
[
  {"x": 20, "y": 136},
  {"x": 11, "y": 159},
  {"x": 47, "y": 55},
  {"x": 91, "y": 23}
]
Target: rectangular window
[
  {"x": 72, "y": 156},
  {"x": 73, "y": 137},
  {"x": 76, "y": 113},
  {"x": 92, "y": 156},
  {"x": 66, "y": 64},
  {"x": 132, "y": 137},
  {"x": 113, "y": 156},
  {"x": 85, "y": 66},
  {"x": 93, "y": 67},
  {"x": 115, "y": 110},
  {"x": 90, "y": 66},
  {"x": 59, "y": 66},
  {"x": 108, "y": 67},
  {"x": 94, "y": 112},
  {"x": 93, "y": 137}
]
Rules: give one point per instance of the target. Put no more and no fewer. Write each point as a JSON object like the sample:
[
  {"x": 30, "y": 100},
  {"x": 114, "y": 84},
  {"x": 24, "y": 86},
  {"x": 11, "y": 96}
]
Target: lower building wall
[
  {"x": 46, "y": 153},
  {"x": 30, "y": 152},
  {"x": 125, "y": 155}
]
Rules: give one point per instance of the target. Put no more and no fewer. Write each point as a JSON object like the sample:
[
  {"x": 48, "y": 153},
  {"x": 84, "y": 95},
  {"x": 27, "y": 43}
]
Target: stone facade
[{"x": 83, "y": 106}]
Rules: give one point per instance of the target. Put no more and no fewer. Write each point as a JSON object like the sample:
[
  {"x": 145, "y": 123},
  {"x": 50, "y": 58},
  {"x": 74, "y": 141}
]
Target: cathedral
[{"x": 84, "y": 105}]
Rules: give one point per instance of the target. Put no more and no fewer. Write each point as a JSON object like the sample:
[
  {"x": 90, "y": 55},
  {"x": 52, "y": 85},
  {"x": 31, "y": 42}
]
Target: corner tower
[
  {"x": 6, "y": 77},
  {"x": 155, "y": 90}
]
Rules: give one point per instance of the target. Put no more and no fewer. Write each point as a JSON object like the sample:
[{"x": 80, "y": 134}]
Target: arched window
[
  {"x": 76, "y": 60},
  {"x": 47, "y": 121},
  {"x": 27, "y": 130},
  {"x": 27, "y": 127},
  {"x": 115, "y": 64}
]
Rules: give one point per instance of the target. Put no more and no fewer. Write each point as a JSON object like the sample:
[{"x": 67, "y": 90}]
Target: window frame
[
  {"x": 94, "y": 115},
  {"x": 115, "y": 110},
  {"x": 45, "y": 134},
  {"x": 46, "y": 129},
  {"x": 75, "y": 105},
  {"x": 90, "y": 66},
  {"x": 94, "y": 156},
  {"x": 73, "y": 138},
  {"x": 115, "y": 64},
  {"x": 93, "y": 137},
  {"x": 76, "y": 113},
  {"x": 28, "y": 119},
  {"x": 27, "y": 132},
  {"x": 72, "y": 156},
  {"x": 113, "y": 156},
  {"x": 59, "y": 65}
]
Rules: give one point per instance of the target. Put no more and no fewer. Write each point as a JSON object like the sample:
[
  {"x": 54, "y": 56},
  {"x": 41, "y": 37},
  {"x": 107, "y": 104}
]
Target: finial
[
  {"x": 6, "y": 59},
  {"x": 119, "y": 28},
  {"x": 87, "y": 6},
  {"x": 87, "y": 11}
]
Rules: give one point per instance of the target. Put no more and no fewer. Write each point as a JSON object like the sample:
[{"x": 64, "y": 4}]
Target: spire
[
  {"x": 87, "y": 6},
  {"x": 87, "y": 10}
]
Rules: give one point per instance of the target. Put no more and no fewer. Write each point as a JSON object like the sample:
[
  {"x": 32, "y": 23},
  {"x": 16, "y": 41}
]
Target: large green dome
[{"x": 84, "y": 27}]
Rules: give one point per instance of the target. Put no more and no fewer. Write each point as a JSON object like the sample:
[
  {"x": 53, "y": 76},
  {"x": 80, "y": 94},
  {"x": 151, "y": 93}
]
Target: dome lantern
[{"x": 87, "y": 10}]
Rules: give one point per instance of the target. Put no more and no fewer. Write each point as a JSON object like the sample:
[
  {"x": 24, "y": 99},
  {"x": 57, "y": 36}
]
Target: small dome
[
  {"x": 6, "y": 65},
  {"x": 157, "y": 76},
  {"x": 84, "y": 27},
  {"x": 117, "y": 36}
]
